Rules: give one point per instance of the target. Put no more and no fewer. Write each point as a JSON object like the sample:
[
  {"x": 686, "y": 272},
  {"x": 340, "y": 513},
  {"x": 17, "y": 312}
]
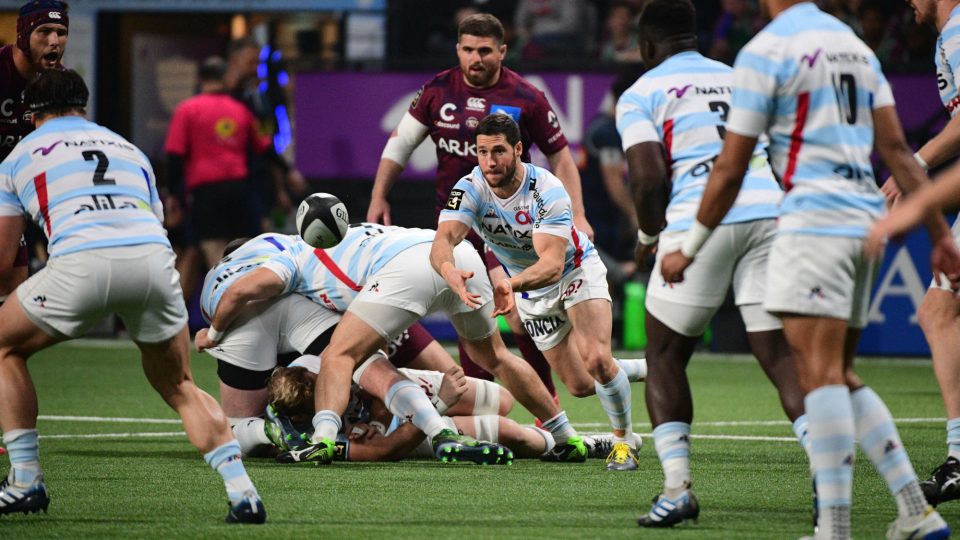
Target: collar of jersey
[
  {"x": 61, "y": 122},
  {"x": 953, "y": 14},
  {"x": 802, "y": 7}
]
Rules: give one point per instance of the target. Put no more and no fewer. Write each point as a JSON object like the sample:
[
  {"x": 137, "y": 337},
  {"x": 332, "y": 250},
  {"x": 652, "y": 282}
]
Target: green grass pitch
[{"x": 107, "y": 479}]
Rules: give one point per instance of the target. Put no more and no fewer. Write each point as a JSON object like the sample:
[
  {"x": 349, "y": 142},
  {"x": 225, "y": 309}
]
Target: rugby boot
[
  {"x": 598, "y": 446},
  {"x": 668, "y": 512},
  {"x": 944, "y": 483},
  {"x": 622, "y": 458},
  {"x": 282, "y": 433},
  {"x": 248, "y": 510},
  {"x": 929, "y": 526},
  {"x": 572, "y": 451},
  {"x": 19, "y": 498},
  {"x": 320, "y": 453},
  {"x": 450, "y": 447}
]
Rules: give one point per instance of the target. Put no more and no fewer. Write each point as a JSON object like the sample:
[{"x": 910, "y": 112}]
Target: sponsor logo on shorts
[
  {"x": 40, "y": 300},
  {"x": 456, "y": 197},
  {"x": 817, "y": 292},
  {"x": 375, "y": 287},
  {"x": 572, "y": 289},
  {"x": 543, "y": 327}
]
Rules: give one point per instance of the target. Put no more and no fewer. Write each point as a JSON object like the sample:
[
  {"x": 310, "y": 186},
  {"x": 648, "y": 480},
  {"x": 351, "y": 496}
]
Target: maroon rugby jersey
[
  {"x": 451, "y": 111},
  {"x": 15, "y": 121}
]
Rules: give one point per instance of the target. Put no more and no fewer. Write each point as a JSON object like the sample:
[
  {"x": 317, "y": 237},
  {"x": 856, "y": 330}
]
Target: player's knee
[
  {"x": 506, "y": 402},
  {"x": 580, "y": 388},
  {"x": 932, "y": 315}
]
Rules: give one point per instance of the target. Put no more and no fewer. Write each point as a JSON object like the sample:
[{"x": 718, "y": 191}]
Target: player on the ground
[
  {"x": 671, "y": 121},
  {"x": 939, "y": 314},
  {"x": 380, "y": 279},
  {"x": 95, "y": 196},
  {"x": 448, "y": 108},
  {"x": 42, "y": 28},
  {"x": 819, "y": 93},
  {"x": 523, "y": 213}
]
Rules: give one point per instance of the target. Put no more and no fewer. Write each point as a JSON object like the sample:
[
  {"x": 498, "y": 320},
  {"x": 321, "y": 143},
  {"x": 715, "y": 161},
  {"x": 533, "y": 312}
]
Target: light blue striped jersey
[
  {"x": 812, "y": 85},
  {"x": 948, "y": 62},
  {"x": 250, "y": 256},
  {"x": 333, "y": 277},
  {"x": 540, "y": 206},
  {"x": 86, "y": 187},
  {"x": 683, "y": 104}
]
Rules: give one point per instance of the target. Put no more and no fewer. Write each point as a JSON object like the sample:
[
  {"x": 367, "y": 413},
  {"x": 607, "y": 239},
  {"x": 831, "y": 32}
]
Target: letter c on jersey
[
  {"x": 523, "y": 217},
  {"x": 446, "y": 110}
]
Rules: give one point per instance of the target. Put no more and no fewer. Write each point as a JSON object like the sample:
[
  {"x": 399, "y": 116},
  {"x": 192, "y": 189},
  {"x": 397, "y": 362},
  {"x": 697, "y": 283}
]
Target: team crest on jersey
[
  {"x": 416, "y": 98},
  {"x": 472, "y": 122},
  {"x": 509, "y": 110},
  {"x": 456, "y": 197}
]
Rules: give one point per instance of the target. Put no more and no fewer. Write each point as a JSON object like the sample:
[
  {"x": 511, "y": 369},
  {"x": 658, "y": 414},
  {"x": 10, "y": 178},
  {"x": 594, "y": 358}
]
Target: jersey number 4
[{"x": 102, "y": 164}]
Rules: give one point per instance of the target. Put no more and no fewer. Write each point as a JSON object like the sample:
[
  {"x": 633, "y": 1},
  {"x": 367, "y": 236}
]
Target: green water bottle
[{"x": 634, "y": 332}]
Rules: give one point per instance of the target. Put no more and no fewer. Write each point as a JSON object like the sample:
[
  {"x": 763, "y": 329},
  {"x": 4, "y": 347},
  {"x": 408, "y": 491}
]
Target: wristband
[
  {"x": 647, "y": 239},
  {"x": 921, "y": 162},
  {"x": 696, "y": 236},
  {"x": 214, "y": 335},
  {"x": 441, "y": 406}
]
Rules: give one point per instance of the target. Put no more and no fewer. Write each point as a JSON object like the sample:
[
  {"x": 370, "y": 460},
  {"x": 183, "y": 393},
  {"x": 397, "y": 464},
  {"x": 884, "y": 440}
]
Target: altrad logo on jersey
[{"x": 105, "y": 202}]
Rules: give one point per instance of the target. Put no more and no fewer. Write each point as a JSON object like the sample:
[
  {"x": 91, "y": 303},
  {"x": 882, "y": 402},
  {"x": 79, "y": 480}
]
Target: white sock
[
  {"x": 560, "y": 427},
  {"x": 615, "y": 399},
  {"x": 326, "y": 425},
  {"x": 636, "y": 368},
  {"x": 405, "y": 399},
  {"x": 831, "y": 431},
  {"x": 672, "y": 442},
  {"x": 249, "y": 433}
]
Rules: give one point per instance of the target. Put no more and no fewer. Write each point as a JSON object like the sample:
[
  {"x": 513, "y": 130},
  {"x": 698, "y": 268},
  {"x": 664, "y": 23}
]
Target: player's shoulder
[
  {"x": 950, "y": 34},
  {"x": 522, "y": 87},
  {"x": 541, "y": 179},
  {"x": 443, "y": 80}
]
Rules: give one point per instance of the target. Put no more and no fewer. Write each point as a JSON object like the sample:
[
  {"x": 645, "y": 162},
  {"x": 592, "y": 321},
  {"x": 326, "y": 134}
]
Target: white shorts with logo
[
  {"x": 735, "y": 254},
  {"x": 265, "y": 329},
  {"x": 407, "y": 288},
  {"x": 821, "y": 276},
  {"x": 140, "y": 284},
  {"x": 545, "y": 317},
  {"x": 944, "y": 282}
]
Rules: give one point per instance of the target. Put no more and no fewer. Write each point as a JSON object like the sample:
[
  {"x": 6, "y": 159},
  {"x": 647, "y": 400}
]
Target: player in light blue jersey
[
  {"x": 524, "y": 215},
  {"x": 672, "y": 125},
  {"x": 95, "y": 197},
  {"x": 939, "y": 314},
  {"x": 819, "y": 94},
  {"x": 380, "y": 278}
]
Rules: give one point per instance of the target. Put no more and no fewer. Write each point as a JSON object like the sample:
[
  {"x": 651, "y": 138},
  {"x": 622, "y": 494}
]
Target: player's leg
[
  {"x": 23, "y": 489},
  {"x": 482, "y": 398},
  {"x": 939, "y": 316},
  {"x": 417, "y": 349},
  {"x": 525, "y": 441}
]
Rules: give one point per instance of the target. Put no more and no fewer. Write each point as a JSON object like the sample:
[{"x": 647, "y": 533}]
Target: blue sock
[
  {"x": 24, "y": 451},
  {"x": 225, "y": 459},
  {"x": 615, "y": 399},
  {"x": 953, "y": 438},
  {"x": 559, "y": 426}
]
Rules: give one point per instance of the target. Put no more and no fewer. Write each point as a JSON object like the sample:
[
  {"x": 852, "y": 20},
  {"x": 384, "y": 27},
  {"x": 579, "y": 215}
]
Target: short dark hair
[
  {"x": 213, "y": 68},
  {"x": 233, "y": 245},
  {"x": 481, "y": 25},
  {"x": 661, "y": 20},
  {"x": 626, "y": 76},
  {"x": 240, "y": 44},
  {"x": 56, "y": 91},
  {"x": 500, "y": 124}
]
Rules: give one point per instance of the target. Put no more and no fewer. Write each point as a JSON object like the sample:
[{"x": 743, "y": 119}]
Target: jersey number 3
[{"x": 102, "y": 164}]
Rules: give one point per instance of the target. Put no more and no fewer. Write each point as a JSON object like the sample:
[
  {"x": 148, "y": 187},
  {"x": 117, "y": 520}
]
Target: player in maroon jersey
[
  {"x": 448, "y": 108},
  {"x": 41, "y": 40}
]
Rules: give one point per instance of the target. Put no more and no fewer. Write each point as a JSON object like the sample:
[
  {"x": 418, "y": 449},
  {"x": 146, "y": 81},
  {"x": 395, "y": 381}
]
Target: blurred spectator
[
  {"x": 878, "y": 34},
  {"x": 737, "y": 25},
  {"x": 554, "y": 28},
  {"x": 444, "y": 39},
  {"x": 845, "y": 10},
  {"x": 620, "y": 43}
]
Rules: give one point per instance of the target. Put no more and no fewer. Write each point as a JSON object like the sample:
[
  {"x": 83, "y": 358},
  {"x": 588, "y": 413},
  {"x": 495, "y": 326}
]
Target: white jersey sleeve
[
  {"x": 635, "y": 120},
  {"x": 948, "y": 62},
  {"x": 552, "y": 210},
  {"x": 464, "y": 201}
]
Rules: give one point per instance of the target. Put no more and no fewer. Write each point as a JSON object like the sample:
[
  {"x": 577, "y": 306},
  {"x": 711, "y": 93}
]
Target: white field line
[
  {"x": 107, "y": 419},
  {"x": 753, "y": 423},
  {"x": 116, "y": 435}
]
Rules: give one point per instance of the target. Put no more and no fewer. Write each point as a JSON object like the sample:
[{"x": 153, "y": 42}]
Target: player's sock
[
  {"x": 250, "y": 433},
  {"x": 24, "y": 451},
  {"x": 801, "y": 430},
  {"x": 326, "y": 425},
  {"x": 225, "y": 459},
  {"x": 881, "y": 442},
  {"x": 405, "y": 399},
  {"x": 831, "y": 431},
  {"x": 548, "y": 440},
  {"x": 672, "y": 442},
  {"x": 534, "y": 357},
  {"x": 615, "y": 399},
  {"x": 953, "y": 438},
  {"x": 560, "y": 427},
  {"x": 636, "y": 368}
]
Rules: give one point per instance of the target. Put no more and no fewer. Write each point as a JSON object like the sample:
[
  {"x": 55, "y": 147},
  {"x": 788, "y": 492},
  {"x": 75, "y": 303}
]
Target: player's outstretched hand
[
  {"x": 202, "y": 342},
  {"x": 673, "y": 265},
  {"x": 945, "y": 259},
  {"x": 379, "y": 211},
  {"x": 503, "y": 302},
  {"x": 452, "y": 386},
  {"x": 457, "y": 280}
]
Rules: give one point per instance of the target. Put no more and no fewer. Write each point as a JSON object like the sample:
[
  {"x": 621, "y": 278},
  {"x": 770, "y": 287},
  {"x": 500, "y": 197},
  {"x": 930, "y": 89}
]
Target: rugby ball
[{"x": 322, "y": 220}]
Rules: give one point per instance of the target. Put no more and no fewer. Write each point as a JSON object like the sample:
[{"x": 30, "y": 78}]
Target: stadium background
[{"x": 343, "y": 71}]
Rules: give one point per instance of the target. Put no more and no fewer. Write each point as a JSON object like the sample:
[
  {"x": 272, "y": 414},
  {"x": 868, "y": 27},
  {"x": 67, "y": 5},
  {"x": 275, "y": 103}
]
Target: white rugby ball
[{"x": 322, "y": 220}]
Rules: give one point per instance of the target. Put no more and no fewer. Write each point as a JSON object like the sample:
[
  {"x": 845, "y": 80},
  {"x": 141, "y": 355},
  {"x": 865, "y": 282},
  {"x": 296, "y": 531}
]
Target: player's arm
[
  {"x": 649, "y": 181},
  {"x": 564, "y": 168},
  {"x": 551, "y": 252},
  {"x": 611, "y": 174},
  {"x": 377, "y": 447},
  {"x": 721, "y": 192},
  {"x": 449, "y": 234},
  {"x": 260, "y": 284},
  {"x": 400, "y": 146},
  {"x": 11, "y": 229}
]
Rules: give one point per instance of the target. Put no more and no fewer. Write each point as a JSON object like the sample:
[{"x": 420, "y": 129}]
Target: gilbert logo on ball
[{"x": 322, "y": 220}]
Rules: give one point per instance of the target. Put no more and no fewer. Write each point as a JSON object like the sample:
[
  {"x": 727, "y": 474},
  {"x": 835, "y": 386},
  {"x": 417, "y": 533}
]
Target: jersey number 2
[{"x": 102, "y": 164}]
